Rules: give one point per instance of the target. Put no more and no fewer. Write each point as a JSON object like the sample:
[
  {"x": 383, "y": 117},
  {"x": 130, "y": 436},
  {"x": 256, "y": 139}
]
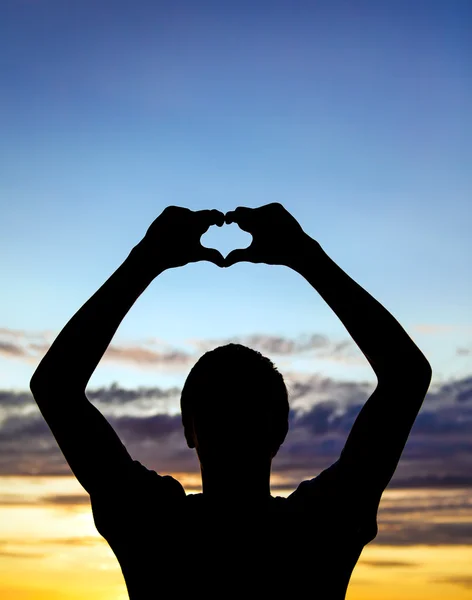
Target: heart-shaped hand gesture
[
  {"x": 277, "y": 236},
  {"x": 173, "y": 239}
]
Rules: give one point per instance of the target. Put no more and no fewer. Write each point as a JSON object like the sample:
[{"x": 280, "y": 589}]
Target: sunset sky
[{"x": 356, "y": 116}]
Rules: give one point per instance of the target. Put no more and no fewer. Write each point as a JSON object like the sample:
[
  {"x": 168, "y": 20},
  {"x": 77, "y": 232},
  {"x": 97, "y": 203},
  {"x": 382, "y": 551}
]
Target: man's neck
[{"x": 238, "y": 483}]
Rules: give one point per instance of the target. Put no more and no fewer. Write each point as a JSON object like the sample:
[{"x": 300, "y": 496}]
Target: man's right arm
[{"x": 88, "y": 441}]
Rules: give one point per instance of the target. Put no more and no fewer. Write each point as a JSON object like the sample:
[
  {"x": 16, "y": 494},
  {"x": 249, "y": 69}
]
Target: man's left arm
[{"x": 380, "y": 432}]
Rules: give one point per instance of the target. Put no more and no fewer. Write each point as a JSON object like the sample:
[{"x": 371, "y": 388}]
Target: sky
[{"x": 355, "y": 115}]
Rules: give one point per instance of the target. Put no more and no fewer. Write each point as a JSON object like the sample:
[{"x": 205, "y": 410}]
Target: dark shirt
[{"x": 168, "y": 542}]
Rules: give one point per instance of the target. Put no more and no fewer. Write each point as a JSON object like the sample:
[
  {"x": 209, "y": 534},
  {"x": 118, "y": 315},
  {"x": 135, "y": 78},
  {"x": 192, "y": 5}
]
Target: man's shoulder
[
  {"x": 132, "y": 498},
  {"x": 323, "y": 485},
  {"x": 137, "y": 481},
  {"x": 142, "y": 476},
  {"x": 332, "y": 494}
]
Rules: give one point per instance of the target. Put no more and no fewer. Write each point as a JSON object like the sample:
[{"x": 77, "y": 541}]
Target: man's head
[{"x": 234, "y": 405}]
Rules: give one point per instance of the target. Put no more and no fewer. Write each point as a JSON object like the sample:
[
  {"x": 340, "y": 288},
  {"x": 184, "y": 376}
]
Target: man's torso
[{"x": 168, "y": 542}]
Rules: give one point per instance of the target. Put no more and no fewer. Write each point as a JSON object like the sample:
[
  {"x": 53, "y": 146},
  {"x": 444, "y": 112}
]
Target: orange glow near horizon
[{"x": 49, "y": 548}]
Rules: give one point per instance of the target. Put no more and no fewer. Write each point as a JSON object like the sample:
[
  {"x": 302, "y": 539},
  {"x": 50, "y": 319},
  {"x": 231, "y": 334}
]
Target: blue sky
[{"x": 355, "y": 115}]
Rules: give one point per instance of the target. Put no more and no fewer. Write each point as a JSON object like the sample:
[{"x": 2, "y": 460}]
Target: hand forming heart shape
[
  {"x": 226, "y": 238},
  {"x": 173, "y": 239}
]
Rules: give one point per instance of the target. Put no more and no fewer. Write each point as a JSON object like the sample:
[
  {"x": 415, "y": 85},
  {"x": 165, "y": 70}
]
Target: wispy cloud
[
  {"x": 388, "y": 564},
  {"x": 313, "y": 345},
  {"x": 462, "y": 581},
  {"x": 142, "y": 356},
  {"x": 21, "y": 554},
  {"x": 115, "y": 395},
  {"x": 269, "y": 343},
  {"x": 32, "y": 346},
  {"x": 11, "y": 349},
  {"x": 14, "y": 333},
  {"x": 65, "y": 499},
  {"x": 426, "y": 533},
  {"x": 157, "y": 354},
  {"x": 438, "y": 328},
  {"x": 29, "y": 548},
  {"x": 24, "y": 345},
  {"x": 15, "y": 400}
]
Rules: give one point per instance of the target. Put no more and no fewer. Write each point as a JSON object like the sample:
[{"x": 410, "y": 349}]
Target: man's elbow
[
  {"x": 35, "y": 382},
  {"x": 48, "y": 389},
  {"x": 418, "y": 373},
  {"x": 41, "y": 378},
  {"x": 421, "y": 369},
  {"x": 42, "y": 385},
  {"x": 415, "y": 370},
  {"x": 38, "y": 385},
  {"x": 427, "y": 374}
]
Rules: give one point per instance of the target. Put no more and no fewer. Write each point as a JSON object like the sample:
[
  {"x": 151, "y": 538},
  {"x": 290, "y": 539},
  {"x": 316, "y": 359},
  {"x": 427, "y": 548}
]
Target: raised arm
[
  {"x": 89, "y": 443},
  {"x": 379, "y": 434},
  {"x": 377, "y": 439}
]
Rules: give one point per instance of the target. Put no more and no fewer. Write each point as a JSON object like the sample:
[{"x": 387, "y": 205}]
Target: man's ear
[
  {"x": 282, "y": 434},
  {"x": 189, "y": 432},
  {"x": 190, "y": 440}
]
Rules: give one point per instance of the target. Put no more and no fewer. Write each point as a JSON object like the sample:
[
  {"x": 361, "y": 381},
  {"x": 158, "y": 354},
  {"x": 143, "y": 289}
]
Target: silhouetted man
[{"x": 234, "y": 539}]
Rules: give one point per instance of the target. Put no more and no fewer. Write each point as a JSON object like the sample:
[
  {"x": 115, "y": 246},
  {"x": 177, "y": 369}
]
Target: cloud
[
  {"x": 65, "y": 499},
  {"x": 21, "y": 554},
  {"x": 437, "y": 454},
  {"x": 436, "y": 459},
  {"x": 32, "y": 346},
  {"x": 319, "y": 345},
  {"x": 12, "y": 333},
  {"x": 27, "y": 547},
  {"x": 388, "y": 564},
  {"x": 435, "y": 328},
  {"x": 11, "y": 399},
  {"x": 462, "y": 581},
  {"x": 421, "y": 533},
  {"x": 71, "y": 541},
  {"x": 452, "y": 392},
  {"x": 142, "y": 356},
  {"x": 465, "y": 396},
  {"x": 56, "y": 541},
  {"x": 148, "y": 428},
  {"x": 11, "y": 349},
  {"x": 432, "y": 480},
  {"x": 274, "y": 344},
  {"x": 57, "y": 500},
  {"x": 106, "y": 397},
  {"x": 115, "y": 395},
  {"x": 23, "y": 345}
]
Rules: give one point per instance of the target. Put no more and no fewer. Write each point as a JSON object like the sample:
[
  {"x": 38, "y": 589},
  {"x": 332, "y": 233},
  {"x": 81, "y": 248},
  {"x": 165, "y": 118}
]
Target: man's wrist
[
  {"x": 305, "y": 255},
  {"x": 141, "y": 263}
]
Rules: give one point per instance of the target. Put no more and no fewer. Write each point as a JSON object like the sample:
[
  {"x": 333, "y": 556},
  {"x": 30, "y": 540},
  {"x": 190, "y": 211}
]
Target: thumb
[
  {"x": 212, "y": 255},
  {"x": 238, "y": 255}
]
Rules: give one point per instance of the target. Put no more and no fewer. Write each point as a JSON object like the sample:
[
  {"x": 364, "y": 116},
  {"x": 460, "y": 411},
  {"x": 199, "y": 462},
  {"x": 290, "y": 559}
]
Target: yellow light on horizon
[{"x": 54, "y": 551}]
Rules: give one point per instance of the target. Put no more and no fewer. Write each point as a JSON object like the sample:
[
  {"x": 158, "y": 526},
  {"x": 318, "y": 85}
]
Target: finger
[
  {"x": 210, "y": 217},
  {"x": 239, "y": 255},
  {"x": 213, "y": 256},
  {"x": 241, "y": 216}
]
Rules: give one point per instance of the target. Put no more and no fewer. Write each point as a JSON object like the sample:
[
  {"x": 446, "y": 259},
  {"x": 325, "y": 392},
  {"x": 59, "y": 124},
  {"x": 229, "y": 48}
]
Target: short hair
[{"x": 238, "y": 383}]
